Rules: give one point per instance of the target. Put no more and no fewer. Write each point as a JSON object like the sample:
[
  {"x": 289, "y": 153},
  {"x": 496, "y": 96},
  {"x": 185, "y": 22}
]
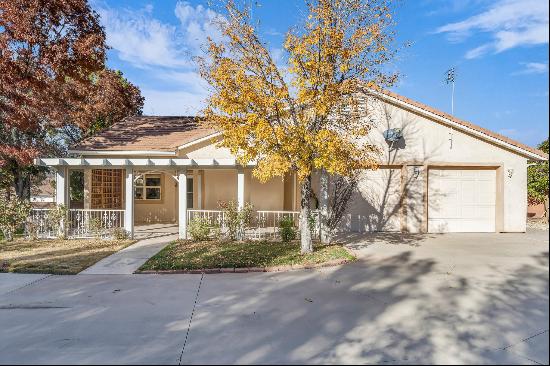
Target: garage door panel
[
  {"x": 461, "y": 200},
  {"x": 375, "y": 205},
  {"x": 469, "y": 193}
]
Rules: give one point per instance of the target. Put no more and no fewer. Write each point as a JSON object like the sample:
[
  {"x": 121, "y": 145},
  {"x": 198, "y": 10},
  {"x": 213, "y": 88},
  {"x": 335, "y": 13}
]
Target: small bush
[
  {"x": 216, "y": 232},
  {"x": 32, "y": 229},
  {"x": 236, "y": 220},
  {"x": 199, "y": 229},
  {"x": 287, "y": 230},
  {"x": 95, "y": 227},
  {"x": 57, "y": 217},
  {"x": 119, "y": 233},
  {"x": 13, "y": 213}
]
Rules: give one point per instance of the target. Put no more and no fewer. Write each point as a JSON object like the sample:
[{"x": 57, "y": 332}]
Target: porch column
[
  {"x": 182, "y": 204},
  {"x": 129, "y": 202},
  {"x": 61, "y": 193},
  {"x": 323, "y": 205},
  {"x": 199, "y": 190},
  {"x": 240, "y": 188},
  {"x": 61, "y": 186}
]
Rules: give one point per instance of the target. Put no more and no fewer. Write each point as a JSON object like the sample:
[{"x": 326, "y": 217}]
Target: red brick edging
[{"x": 286, "y": 268}]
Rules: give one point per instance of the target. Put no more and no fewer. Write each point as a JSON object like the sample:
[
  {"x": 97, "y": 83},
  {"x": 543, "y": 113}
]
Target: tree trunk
[
  {"x": 22, "y": 185},
  {"x": 305, "y": 213}
]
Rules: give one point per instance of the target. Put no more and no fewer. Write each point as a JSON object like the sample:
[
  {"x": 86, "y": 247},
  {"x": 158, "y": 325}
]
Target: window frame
[
  {"x": 144, "y": 188},
  {"x": 190, "y": 192}
]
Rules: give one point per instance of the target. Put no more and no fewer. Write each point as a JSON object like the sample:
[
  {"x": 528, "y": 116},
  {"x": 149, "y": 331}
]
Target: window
[
  {"x": 189, "y": 192},
  {"x": 148, "y": 187}
]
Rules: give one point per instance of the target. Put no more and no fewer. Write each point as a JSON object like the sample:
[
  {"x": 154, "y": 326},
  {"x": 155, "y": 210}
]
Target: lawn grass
[
  {"x": 187, "y": 255},
  {"x": 55, "y": 256}
]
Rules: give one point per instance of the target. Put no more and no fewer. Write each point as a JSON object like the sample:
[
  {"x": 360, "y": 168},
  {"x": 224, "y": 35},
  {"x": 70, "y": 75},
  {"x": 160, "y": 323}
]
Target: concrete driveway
[{"x": 458, "y": 298}]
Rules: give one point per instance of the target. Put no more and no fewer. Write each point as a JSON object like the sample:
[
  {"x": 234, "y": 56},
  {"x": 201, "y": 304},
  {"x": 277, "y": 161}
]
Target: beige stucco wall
[
  {"x": 205, "y": 150},
  {"x": 165, "y": 211},
  {"x": 427, "y": 142},
  {"x": 269, "y": 196},
  {"x": 221, "y": 185}
]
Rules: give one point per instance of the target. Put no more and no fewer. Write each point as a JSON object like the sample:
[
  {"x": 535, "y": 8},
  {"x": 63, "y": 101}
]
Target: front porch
[{"x": 131, "y": 193}]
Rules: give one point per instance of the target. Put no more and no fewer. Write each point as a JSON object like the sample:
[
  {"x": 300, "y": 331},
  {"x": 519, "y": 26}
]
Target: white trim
[
  {"x": 129, "y": 201},
  {"x": 149, "y": 163},
  {"x": 199, "y": 140},
  {"x": 123, "y": 152},
  {"x": 42, "y": 199},
  {"x": 458, "y": 126},
  {"x": 240, "y": 189},
  {"x": 182, "y": 204}
]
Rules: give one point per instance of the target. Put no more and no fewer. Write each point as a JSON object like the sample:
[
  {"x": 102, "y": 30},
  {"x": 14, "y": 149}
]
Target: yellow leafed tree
[{"x": 309, "y": 113}]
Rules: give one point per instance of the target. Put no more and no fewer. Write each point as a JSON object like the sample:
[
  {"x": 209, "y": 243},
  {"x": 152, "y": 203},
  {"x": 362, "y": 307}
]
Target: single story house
[{"x": 437, "y": 174}]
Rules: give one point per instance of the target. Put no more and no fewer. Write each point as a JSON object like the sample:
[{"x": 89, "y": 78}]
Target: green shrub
[
  {"x": 236, "y": 220},
  {"x": 199, "y": 229},
  {"x": 287, "y": 230},
  {"x": 32, "y": 229},
  {"x": 13, "y": 214},
  {"x": 216, "y": 232},
  {"x": 57, "y": 217}
]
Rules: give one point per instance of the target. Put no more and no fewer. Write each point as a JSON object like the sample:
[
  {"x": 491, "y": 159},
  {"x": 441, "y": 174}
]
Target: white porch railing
[
  {"x": 85, "y": 223},
  {"x": 212, "y": 217},
  {"x": 264, "y": 224},
  {"x": 80, "y": 223}
]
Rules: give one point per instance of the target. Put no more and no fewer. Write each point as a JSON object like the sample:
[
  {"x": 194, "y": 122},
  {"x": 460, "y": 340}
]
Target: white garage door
[
  {"x": 461, "y": 200},
  {"x": 375, "y": 206}
]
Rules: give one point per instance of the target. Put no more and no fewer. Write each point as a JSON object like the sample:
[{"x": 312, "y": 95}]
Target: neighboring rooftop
[{"x": 146, "y": 133}]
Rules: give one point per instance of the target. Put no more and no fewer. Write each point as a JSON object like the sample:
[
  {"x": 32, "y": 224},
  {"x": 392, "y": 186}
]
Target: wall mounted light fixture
[{"x": 510, "y": 173}]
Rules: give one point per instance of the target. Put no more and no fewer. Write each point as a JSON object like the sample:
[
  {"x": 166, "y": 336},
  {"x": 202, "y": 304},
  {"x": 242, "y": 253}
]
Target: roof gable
[
  {"x": 145, "y": 133},
  {"x": 466, "y": 126}
]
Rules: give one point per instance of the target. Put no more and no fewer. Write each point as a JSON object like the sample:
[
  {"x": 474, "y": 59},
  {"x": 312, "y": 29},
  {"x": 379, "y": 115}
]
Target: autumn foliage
[
  {"x": 309, "y": 111},
  {"x": 53, "y": 80}
]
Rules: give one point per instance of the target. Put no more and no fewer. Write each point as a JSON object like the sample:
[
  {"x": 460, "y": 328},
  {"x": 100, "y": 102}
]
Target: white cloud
[
  {"x": 533, "y": 68},
  {"x": 144, "y": 41},
  {"x": 197, "y": 24},
  {"x": 166, "y": 50},
  {"x": 511, "y": 23}
]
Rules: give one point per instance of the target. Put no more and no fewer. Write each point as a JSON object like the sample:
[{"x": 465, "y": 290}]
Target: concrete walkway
[{"x": 152, "y": 239}]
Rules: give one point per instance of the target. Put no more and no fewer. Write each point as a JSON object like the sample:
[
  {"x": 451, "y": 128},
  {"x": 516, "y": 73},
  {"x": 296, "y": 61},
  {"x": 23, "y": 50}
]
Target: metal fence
[
  {"x": 263, "y": 224},
  {"x": 79, "y": 223}
]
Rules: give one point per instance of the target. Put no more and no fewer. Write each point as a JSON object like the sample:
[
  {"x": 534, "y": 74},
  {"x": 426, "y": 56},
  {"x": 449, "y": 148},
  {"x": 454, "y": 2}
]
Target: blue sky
[{"x": 499, "y": 49}]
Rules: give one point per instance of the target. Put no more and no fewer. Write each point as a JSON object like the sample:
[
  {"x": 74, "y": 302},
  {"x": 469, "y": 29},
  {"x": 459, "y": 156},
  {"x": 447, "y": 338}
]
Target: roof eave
[{"x": 96, "y": 152}]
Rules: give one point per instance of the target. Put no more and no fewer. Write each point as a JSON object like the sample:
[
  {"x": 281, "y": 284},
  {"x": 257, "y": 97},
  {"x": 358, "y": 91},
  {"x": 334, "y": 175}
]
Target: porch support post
[
  {"x": 61, "y": 186},
  {"x": 182, "y": 204},
  {"x": 61, "y": 194},
  {"x": 240, "y": 188},
  {"x": 129, "y": 202},
  {"x": 323, "y": 206},
  {"x": 199, "y": 190}
]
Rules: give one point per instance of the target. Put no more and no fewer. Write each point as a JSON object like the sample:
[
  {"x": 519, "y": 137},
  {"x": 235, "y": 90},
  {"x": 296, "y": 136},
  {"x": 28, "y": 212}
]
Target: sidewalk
[{"x": 152, "y": 239}]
